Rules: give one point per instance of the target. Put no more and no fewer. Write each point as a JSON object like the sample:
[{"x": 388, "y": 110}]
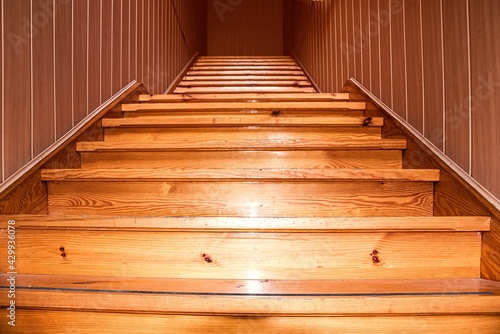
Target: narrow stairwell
[{"x": 246, "y": 202}]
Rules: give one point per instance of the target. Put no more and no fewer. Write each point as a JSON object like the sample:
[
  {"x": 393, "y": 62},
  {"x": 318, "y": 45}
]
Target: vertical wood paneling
[
  {"x": 398, "y": 57},
  {"x": 106, "y": 49},
  {"x": 245, "y": 28},
  {"x": 140, "y": 41},
  {"x": 133, "y": 39},
  {"x": 415, "y": 95},
  {"x": 374, "y": 47},
  {"x": 17, "y": 63},
  {"x": 63, "y": 58},
  {"x": 116, "y": 47},
  {"x": 456, "y": 49},
  {"x": 433, "y": 72},
  {"x": 349, "y": 14},
  {"x": 485, "y": 92},
  {"x": 357, "y": 39},
  {"x": 125, "y": 32},
  {"x": 365, "y": 42},
  {"x": 64, "y": 68},
  {"x": 385, "y": 52},
  {"x": 43, "y": 76},
  {"x": 80, "y": 64},
  {"x": 94, "y": 52}
]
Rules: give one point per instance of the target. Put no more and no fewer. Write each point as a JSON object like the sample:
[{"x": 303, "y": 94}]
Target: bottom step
[
  {"x": 61, "y": 304},
  {"x": 63, "y": 322}
]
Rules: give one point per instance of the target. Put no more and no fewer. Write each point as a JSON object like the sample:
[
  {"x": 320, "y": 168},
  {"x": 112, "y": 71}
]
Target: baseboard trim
[
  {"x": 480, "y": 189},
  {"x": 71, "y": 135}
]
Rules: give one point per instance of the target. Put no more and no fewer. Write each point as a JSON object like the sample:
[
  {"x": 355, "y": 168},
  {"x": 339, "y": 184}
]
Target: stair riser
[
  {"x": 273, "y": 133},
  {"x": 245, "y": 159},
  {"x": 242, "y": 199},
  {"x": 55, "y": 322},
  {"x": 285, "y": 256}
]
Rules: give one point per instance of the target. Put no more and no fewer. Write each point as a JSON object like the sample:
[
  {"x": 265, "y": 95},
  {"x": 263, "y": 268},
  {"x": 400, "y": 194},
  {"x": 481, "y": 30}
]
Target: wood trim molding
[
  {"x": 182, "y": 74},
  {"x": 23, "y": 192},
  {"x": 315, "y": 85},
  {"x": 482, "y": 191}
]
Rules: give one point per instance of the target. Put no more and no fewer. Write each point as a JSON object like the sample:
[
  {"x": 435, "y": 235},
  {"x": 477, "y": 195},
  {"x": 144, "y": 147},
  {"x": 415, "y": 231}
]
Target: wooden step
[
  {"x": 250, "y": 83},
  {"x": 224, "y": 145},
  {"x": 239, "y": 67},
  {"x": 246, "y": 58},
  {"x": 248, "y": 174},
  {"x": 262, "y": 119},
  {"x": 240, "y": 133},
  {"x": 236, "y": 158},
  {"x": 242, "y": 106},
  {"x": 242, "y": 198},
  {"x": 276, "y": 63},
  {"x": 214, "y": 77},
  {"x": 78, "y": 322},
  {"x": 235, "y": 255},
  {"x": 269, "y": 225},
  {"x": 252, "y": 97},
  {"x": 246, "y": 72},
  {"x": 221, "y": 90}
]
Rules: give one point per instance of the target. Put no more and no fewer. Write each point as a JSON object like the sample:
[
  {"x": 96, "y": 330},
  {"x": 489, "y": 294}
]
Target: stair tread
[
  {"x": 244, "y": 77},
  {"x": 241, "y": 174},
  {"x": 261, "y": 225},
  {"x": 237, "y": 67},
  {"x": 262, "y": 89},
  {"x": 240, "y": 145},
  {"x": 242, "y": 119},
  {"x": 235, "y": 106},
  {"x": 250, "y": 97},
  {"x": 254, "y": 297},
  {"x": 207, "y": 83}
]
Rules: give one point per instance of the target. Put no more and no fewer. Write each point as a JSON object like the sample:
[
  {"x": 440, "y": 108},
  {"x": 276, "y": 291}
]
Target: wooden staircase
[{"x": 246, "y": 202}]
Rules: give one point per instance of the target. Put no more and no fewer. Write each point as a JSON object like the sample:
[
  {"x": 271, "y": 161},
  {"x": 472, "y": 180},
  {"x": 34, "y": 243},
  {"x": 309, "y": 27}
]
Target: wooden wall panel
[
  {"x": 125, "y": 51},
  {"x": 80, "y": 61},
  {"x": 17, "y": 89},
  {"x": 106, "y": 48},
  {"x": 457, "y": 78},
  {"x": 485, "y": 92},
  {"x": 64, "y": 72},
  {"x": 116, "y": 46},
  {"x": 413, "y": 29},
  {"x": 43, "y": 76},
  {"x": 384, "y": 16},
  {"x": 245, "y": 27},
  {"x": 94, "y": 54},
  {"x": 434, "y": 62},
  {"x": 364, "y": 46},
  {"x": 398, "y": 66},
  {"x": 433, "y": 72},
  {"x": 64, "y": 58}
]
